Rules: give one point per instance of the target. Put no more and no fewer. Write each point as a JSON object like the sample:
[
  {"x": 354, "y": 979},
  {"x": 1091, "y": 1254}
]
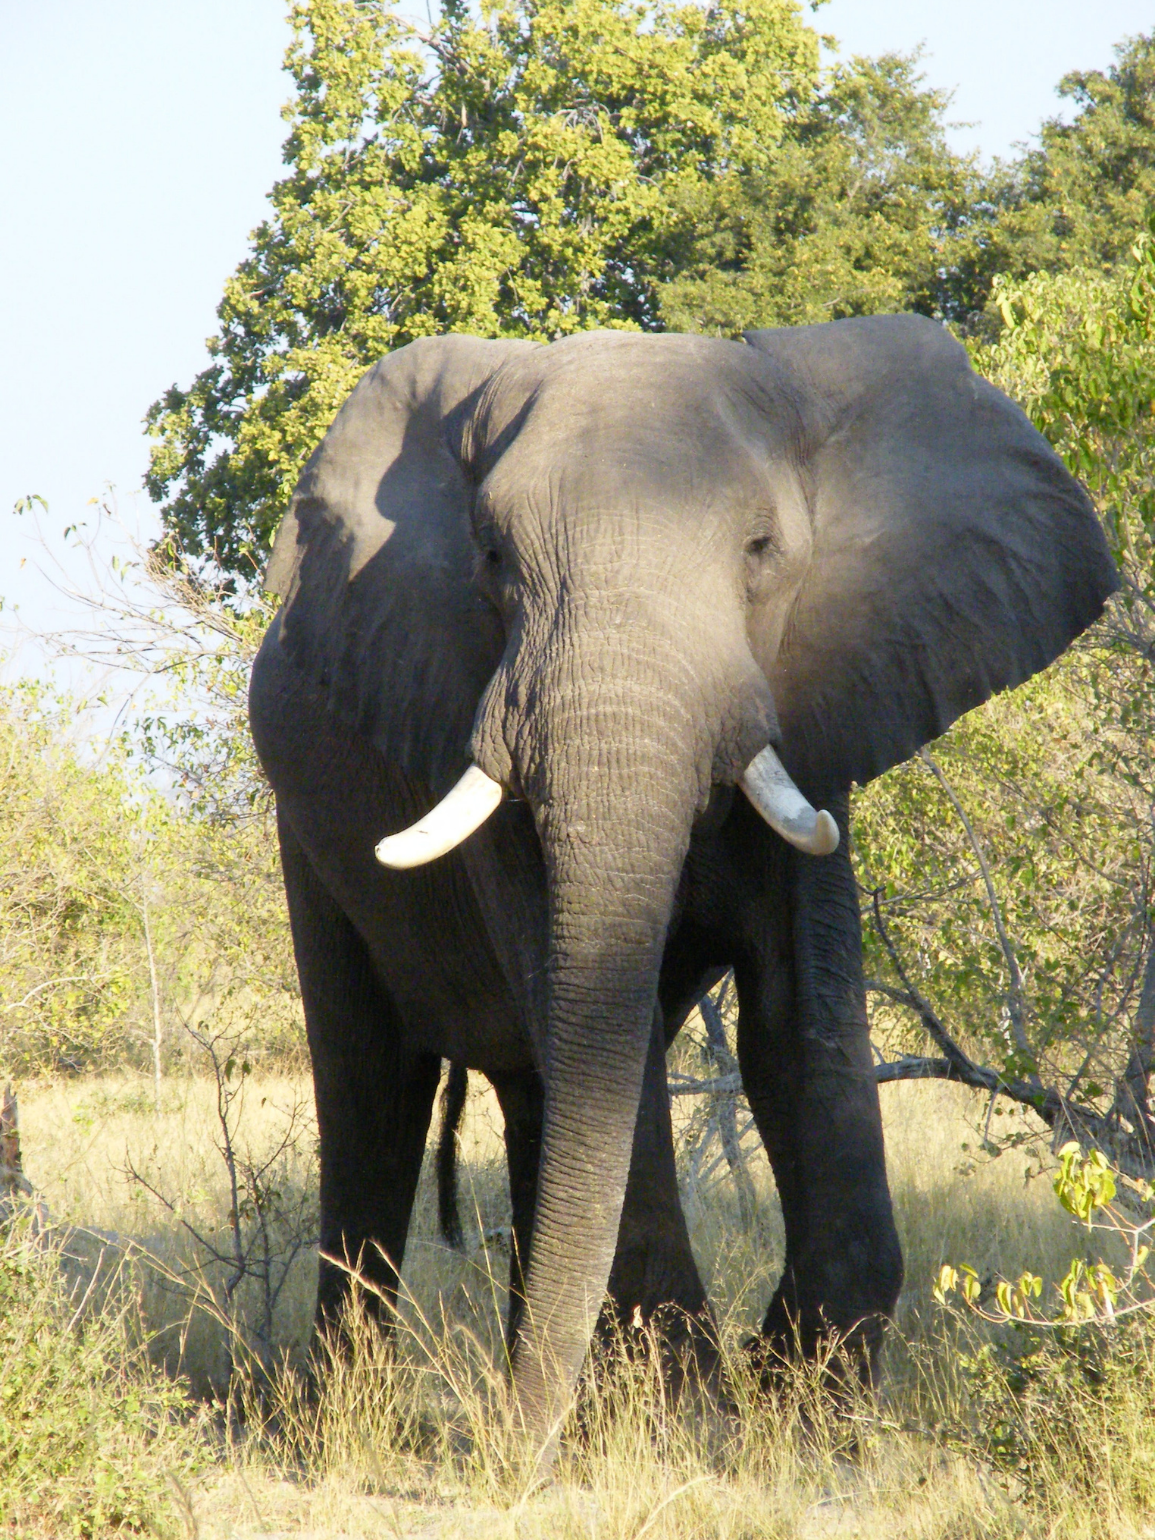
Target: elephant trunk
[{"x": 614, "y": 792}]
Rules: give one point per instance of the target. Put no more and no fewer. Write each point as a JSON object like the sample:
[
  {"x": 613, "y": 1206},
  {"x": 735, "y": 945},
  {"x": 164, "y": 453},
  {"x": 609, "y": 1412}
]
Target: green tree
[
  {"x": 1015, "y": 864},
  {"x": 513, "y": 175},
  {"x": 864, "y": 208},
  {"x": 1079, "y": 199}
]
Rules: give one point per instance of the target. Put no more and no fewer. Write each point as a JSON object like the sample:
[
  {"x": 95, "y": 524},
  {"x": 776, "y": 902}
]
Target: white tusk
[
  {"x": 784, "y": 808},
  {"x": 454, "y": 819}
]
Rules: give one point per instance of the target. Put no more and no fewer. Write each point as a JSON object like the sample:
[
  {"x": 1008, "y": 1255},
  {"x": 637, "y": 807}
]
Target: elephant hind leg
[
  {"x": 522, "y": 1101},
  {"x": 374, "y": 1096},
  {"x": 654, "y": 1282}
]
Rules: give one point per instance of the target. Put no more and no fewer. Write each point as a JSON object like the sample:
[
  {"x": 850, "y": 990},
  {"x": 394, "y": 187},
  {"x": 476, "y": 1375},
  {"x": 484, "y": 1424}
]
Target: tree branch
[
  {"x": 727, "y": 1106},
  {"x": 1015, "y": 994},
  {"x": 1131, "y": 1153},
  {"x": 965, "y": 1068}
]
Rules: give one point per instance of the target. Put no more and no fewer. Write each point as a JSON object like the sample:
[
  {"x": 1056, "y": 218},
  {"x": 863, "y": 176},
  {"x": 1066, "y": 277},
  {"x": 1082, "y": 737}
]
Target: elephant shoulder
[{"x": 375, "y": 562}]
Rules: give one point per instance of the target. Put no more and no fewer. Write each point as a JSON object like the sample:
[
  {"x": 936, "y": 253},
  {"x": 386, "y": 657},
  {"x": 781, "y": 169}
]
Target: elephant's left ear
[{"x": 952, "y": 554}]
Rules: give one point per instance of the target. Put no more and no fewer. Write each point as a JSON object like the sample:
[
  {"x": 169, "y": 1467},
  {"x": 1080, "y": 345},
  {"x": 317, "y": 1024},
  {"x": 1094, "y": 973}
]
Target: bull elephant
[{"x": 630, "y": 614}]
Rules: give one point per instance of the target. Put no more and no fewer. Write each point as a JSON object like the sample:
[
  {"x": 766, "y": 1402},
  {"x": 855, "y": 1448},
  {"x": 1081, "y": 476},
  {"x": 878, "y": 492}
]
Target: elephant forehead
[{"x": 673, "y": 421}]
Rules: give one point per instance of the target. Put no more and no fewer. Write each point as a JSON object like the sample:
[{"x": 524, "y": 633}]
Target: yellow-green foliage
[
  {"x": 1058, "y": 778},
  {"x": 1082, "y": 193},
  {"x": 523, "y": 186},
  {"x": 116, "y": 904},
  {"x": 1065, "y": 842},
  {"x": 863, "y": 209},
  {"x": 71, "y": 872},
  {"x": 91, "y": 1436}
]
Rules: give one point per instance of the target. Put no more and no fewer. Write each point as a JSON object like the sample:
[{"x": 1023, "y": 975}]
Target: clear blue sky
[{"x": 141, "y": 136}]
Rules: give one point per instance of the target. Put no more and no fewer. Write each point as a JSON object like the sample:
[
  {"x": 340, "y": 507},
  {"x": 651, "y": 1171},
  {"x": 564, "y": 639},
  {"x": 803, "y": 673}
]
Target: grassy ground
[{"x": 412, "y": 1441}]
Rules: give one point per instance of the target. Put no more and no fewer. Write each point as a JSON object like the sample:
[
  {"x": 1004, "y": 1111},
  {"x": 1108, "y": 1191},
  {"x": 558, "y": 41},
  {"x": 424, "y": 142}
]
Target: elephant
[{"x": 582, "y": 645}]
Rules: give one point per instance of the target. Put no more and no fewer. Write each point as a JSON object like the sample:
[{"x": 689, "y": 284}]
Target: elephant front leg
[
  {"x": 804, "y": 1051},
  {"x": 654, "y": 1280},
  {"x": 374, "y": 1097}
]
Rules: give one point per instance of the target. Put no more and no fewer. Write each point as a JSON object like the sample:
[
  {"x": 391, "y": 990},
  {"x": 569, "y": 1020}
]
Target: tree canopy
[
  {"x": 863, "y": 208},
  {"x": 544, "y": 166},
  {"x": 1081, "y": 196},
  {"x": 513, "y": 175}
]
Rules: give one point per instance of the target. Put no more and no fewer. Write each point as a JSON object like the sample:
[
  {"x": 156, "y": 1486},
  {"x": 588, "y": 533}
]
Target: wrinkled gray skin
[{"x": 609, "y": 571}]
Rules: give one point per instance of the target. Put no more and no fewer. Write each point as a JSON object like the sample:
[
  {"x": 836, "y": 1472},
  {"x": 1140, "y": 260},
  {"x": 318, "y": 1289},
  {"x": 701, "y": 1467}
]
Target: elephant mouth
[{"x": 460, "y": 812}]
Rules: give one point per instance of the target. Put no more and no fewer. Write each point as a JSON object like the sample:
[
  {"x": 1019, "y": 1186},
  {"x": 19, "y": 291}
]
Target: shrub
[{"x": 90, "y": 1433}]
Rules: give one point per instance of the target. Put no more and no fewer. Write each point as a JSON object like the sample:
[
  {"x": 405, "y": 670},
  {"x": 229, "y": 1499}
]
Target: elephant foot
[
  {"x": 844, "y": 1357},
  {"x": 682, "y": 1341}
]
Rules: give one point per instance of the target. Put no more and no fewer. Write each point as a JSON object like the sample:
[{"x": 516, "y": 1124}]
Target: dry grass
[{"x": 411, "y": 1439}]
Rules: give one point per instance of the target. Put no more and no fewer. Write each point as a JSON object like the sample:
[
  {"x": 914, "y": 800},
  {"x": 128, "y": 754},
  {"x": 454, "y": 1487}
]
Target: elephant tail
[{"x": 452, "y": 1106}]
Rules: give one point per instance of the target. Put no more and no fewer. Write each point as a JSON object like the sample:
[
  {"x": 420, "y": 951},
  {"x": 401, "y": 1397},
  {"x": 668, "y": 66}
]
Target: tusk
[
  {"x": 784, "y": 808},
  {"x": 454, "y": 819}
]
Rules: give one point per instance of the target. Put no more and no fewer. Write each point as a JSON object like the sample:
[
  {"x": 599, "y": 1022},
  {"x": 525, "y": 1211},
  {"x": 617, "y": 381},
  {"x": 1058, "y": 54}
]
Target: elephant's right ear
[
  {"x": 374, "y": 560},
  {"x": 951, "y": 555}
]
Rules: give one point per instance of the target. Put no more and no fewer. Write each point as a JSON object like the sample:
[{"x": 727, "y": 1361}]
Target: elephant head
[{"x": 612, "y": 575}]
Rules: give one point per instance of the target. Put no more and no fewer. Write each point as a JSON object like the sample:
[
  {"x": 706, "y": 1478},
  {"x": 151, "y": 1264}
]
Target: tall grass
[{"x": 413, "y": 1436}]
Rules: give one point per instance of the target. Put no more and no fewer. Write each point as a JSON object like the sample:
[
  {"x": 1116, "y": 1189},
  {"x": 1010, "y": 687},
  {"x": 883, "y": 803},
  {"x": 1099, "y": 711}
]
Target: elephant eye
[
  {"x": 759, "y": 545},
  {"x": 492, "y": 557}
]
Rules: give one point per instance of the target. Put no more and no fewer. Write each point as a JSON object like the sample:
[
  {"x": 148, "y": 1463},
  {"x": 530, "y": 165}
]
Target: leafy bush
[
  {"x": 1010, "y": 868},
  {"x": 1062, "y": 1395},
  {"x": 72, "y": 874},
  {"x": 126, "y": 914},
  {"x": 90, "y": 1434},
  {"x": 1047, "y": 1404}
]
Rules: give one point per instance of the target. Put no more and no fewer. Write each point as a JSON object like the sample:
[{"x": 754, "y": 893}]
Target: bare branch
[
  {"x": 1131, "y": 1153},
  {"x": 68, "y": 978},
  {"x": 718, "y": 1085},
  {"x": 727, "y": 1107},
  {"x": 912, "y": 1067}
]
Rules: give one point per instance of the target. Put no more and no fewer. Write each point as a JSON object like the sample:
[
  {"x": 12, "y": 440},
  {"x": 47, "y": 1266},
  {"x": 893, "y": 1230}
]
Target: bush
[
  {"x": 90, "y": 1433},
  {"x": 125, "y": 913}
]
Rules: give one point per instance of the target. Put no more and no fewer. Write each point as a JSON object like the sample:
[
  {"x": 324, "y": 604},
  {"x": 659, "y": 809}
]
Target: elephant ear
[
  {"x": 952, "y": 554},
  {"x": 375, "y": 563}
]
